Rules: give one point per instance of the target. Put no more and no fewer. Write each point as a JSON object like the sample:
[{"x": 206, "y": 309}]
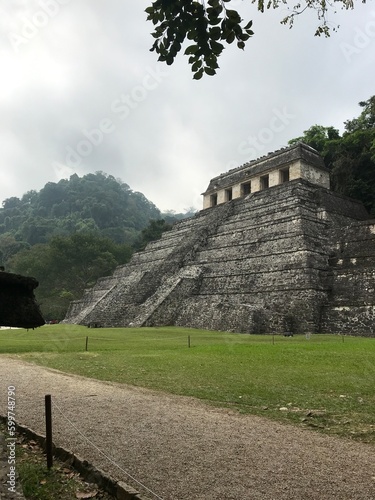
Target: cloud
[{"x": 81, "y": 92}]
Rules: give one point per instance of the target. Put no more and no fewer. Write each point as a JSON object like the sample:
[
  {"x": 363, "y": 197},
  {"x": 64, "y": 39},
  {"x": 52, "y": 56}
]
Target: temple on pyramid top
[
  {"x": 296, "y": 162},
  {"x": 280, "y": 253}
]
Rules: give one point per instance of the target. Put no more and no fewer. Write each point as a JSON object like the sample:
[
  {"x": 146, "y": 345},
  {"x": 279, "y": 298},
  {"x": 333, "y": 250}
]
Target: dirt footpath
[{"x": 181, "y": 448}]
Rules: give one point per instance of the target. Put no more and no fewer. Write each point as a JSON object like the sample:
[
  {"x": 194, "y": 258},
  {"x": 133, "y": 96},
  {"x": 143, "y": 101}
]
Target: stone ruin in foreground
[{"x": 273, "y": 251}]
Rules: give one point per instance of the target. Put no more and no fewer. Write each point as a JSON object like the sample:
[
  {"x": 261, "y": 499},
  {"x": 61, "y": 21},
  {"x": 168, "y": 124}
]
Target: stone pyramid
[{"x": 273, "y": 251}]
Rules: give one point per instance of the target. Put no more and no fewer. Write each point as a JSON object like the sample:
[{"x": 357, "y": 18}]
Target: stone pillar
[
  {"x": 274, "y": 178},
  {"x": 255, "y": 184},
  {"x": 236, "y": 191},
  {"x": 221, "y": 196}
]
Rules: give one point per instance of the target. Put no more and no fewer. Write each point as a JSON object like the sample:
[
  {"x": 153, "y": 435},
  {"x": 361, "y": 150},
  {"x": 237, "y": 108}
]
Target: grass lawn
[{"x": 326, "y": 382}]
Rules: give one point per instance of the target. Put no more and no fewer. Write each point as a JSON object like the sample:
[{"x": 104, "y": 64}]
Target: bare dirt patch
[{"x": 180, "y": 448}]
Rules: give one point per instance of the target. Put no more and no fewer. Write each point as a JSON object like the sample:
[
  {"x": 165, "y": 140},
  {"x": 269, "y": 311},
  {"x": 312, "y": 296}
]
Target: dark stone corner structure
[
  {"x": 273, "y": 251},
  {"x": 18, "y": 306}
]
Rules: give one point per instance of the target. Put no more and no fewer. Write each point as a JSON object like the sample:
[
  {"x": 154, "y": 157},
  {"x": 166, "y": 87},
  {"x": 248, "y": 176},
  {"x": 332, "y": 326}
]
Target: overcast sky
[{"x": 81, "y": 92}]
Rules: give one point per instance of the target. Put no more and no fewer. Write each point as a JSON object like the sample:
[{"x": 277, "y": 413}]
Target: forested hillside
[
  {"x": 74, "y": 231},
  {"x": 96, "y": 202}
]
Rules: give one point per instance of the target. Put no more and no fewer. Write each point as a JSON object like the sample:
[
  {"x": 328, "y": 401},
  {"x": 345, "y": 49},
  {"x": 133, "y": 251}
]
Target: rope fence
[
  {"x": 100, "y": 451},
  {"x": 85, "y": 343}
]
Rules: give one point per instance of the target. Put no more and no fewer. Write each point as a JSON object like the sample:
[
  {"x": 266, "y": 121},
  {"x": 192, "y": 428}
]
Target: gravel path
[{"x": 181, "y": 448}]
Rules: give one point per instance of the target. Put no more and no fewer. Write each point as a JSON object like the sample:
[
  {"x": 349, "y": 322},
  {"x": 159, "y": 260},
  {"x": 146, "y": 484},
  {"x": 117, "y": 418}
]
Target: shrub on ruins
[
  {"x": 152, "y": 232},
  {"x": 350, "y": 156}
]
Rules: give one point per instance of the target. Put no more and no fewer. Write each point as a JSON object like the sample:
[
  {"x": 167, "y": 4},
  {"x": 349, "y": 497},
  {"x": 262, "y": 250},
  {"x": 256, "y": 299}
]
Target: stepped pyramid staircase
[{"x": 266, "y": 262}]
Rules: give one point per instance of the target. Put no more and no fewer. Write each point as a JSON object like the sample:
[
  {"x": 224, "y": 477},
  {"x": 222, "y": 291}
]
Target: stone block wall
[
  {"x": 351, "y": 306},
  {"x": 289, "y": 258}
]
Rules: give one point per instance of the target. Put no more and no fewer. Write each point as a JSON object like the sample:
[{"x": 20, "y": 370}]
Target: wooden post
[
  {"x": 87, "y": 343},
  {"x": 189, "y": 341},
  {"x": 48, "y": 408}
]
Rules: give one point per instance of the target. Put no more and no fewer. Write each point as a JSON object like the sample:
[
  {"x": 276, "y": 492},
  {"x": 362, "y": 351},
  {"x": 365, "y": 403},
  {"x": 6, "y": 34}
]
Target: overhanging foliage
[{"x": 211, "y": 24}]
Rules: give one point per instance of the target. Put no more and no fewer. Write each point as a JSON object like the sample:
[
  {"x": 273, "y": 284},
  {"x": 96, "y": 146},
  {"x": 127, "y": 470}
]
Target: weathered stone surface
[
  {"x": 296, "y": 162},
  {"x": 292, "y": 258}
]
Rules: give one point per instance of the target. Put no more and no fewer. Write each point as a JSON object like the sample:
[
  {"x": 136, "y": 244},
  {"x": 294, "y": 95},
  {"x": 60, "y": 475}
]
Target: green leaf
[
  {"x": 214, "y": 21},
  {"x": 215, "y": 33},
  {"x": 198, "y": 75},
  {"x": 231, "y": 36},
  {"x": 192, "y": 34},
  {"x": 195, "y": 67},
  {"x": 218, "y": 10},
  {"x": 216, "y": 47},
  {"x": 210, "y": 71},
  {"x": 233, "y": 15},
  {"x": 192, "y": 49}
]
